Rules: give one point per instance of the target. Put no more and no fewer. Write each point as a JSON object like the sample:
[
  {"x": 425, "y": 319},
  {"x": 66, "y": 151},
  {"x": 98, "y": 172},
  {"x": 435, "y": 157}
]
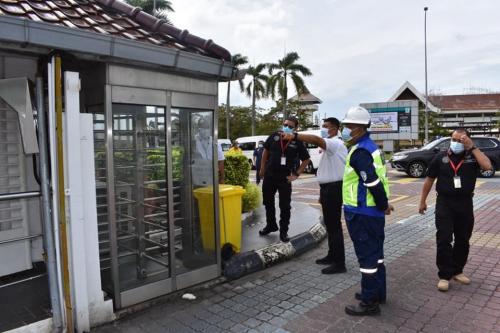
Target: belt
[{"x": 339, "y": 182}]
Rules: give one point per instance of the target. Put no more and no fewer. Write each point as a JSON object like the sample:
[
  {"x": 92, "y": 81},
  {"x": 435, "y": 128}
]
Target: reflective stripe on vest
[{"x": 351, "y": 181}]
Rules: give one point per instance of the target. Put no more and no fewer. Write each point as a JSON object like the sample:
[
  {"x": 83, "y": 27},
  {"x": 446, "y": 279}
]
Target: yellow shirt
[{"x": 235, "y": 151}]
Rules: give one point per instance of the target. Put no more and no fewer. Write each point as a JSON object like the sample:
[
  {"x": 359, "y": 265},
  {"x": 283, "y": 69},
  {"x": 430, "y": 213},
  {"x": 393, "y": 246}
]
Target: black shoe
[
  {"x": 334, "y": 269},
  {"x": 284, "y": 237},
  {"x": 358, "y": 297},
  {"x": 363, "y": 309},
  {"x": 267, "y": 230},
  {"x": 328, "y": 260}
]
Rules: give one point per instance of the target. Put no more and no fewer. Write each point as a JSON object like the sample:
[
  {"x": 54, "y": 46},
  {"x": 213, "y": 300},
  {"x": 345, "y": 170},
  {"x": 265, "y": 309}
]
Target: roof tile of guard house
[
  {"x": 115, "y": 18},
  {"x": 467, "y": 102}
]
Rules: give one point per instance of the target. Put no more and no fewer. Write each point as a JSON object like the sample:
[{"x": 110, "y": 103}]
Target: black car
[{"x": 415, "y": 162}]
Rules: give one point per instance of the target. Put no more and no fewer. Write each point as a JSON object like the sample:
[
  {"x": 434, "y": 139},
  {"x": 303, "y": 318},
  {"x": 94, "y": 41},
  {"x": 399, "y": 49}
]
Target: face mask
[
  {"x": 261, "y": 146},
  {"x": 287, "y": 129},
  {"x": 204, "y": 132},
  {"x": 346, "y": 134},
  {"x": 324, "y": 132},
  {"x": 456, "y": 147}
]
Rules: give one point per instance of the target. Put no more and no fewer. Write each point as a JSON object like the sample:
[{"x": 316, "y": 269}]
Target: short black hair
[
  {"x": 461, "y": 130},
  {"x": 295, "y": 120},
  {"x": 332, "y": 120}
]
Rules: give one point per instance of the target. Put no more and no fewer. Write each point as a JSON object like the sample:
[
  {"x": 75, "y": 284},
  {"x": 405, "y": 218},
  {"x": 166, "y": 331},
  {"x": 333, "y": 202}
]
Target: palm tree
[
  {"x": 237, "y": 60},
  {"x": 256, "y": 88},
  {"x": 287, "y": 67},
  {"x": 157, "y": 8}
]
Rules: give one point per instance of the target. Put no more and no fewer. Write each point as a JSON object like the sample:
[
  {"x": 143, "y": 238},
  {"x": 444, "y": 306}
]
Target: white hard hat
[{"x": 357, "y": 115}]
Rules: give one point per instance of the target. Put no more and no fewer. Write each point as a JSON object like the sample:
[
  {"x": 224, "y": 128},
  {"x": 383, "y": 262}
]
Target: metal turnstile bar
[
  {"x": 159, "y": 262},
  {"x": 155, "y": 243}
]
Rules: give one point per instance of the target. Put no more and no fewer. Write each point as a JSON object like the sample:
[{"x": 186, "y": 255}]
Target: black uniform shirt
[
  {"x": 441, "y": 169},
  {"x": 295, "y": 149}
]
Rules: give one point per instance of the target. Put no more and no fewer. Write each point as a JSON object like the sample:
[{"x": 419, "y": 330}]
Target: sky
[{"x": 359, "y": 51}]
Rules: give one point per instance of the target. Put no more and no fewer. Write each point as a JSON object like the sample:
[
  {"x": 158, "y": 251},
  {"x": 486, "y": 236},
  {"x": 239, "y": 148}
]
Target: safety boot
[
  {"x": 363, "y": 309},
  {"x": 357, "y": 296},
  {"x": 267, "y": 230}
]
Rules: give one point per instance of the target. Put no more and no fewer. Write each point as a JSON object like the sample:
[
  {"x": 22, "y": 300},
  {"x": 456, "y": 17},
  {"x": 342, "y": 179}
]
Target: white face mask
[
  {"x": 456, "y": 147},
  {"x": 346, "y": 134},
  {"x": 204, "y": 133}
]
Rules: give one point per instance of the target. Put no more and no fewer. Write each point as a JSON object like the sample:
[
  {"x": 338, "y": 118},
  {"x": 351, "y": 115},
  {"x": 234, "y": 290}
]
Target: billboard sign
[{"x": 390, "y": 120}]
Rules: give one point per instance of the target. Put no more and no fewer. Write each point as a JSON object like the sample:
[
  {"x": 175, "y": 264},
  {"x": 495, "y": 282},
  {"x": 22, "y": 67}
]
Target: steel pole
[
  {"x": 48, "y": 235},
  {"x": 426, "y": 137}
]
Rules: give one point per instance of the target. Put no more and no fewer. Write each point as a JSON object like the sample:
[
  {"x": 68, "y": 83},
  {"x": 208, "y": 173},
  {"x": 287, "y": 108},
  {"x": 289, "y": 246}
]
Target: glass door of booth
[
  {"x": 156, "y": 233},
  {"x": 141, "y": 219},
  {"x": 193, "y": 175}
]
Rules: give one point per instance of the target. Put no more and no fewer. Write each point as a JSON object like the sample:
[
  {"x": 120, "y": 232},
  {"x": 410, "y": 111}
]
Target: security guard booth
[{"x": 147, "y": 165}]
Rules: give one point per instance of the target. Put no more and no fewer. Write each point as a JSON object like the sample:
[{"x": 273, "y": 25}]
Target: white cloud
[{"x": 358, "y": 50}]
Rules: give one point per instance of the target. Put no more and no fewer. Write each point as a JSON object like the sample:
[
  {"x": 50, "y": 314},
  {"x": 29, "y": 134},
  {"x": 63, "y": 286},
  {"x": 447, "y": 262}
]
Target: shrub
[
  {"x": 236, "y": 170},
  {"x": 252, "y": 197}
]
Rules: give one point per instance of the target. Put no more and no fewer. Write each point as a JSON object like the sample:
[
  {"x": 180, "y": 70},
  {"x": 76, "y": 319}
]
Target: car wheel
[
  {"x": 416, "y": 169},
  {"x": 309, "y": 168},
  {"x": 487, "y": 173}
]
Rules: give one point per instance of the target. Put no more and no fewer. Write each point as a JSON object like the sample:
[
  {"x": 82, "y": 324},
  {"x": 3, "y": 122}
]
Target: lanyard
[
  {"x": 283, "y": 148},
  {"x": 455, "y": 168}
]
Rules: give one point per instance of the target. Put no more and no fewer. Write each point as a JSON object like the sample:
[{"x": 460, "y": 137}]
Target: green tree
[
  {"x": 287, "y": 67},
  {"x": 237, "y": 60},
  {"x": 239, "y": 121},
  {"x": 256, "y": 88},
  {"x": 269, "y": 122},
  {"x": 157, "y": 8}
]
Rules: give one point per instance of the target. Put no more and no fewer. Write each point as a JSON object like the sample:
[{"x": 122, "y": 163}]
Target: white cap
[{"x": 357, "y": 115}]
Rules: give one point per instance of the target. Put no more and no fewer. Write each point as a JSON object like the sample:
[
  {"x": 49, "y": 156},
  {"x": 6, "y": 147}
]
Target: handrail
[
  {"x": 19, "y": 195},
  {"x": 19, "y": 239}
]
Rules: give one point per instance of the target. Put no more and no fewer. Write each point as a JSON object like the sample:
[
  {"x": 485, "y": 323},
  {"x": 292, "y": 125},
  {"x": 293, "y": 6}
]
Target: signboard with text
[{"x": 390, "y": 120}]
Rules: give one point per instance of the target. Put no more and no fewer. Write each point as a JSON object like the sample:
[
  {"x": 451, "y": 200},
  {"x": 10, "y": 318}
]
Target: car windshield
[{"x": 433, "y": 144}]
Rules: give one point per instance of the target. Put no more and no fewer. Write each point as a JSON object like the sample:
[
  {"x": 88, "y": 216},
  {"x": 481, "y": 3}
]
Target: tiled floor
[{"x": 23, "y": 303}]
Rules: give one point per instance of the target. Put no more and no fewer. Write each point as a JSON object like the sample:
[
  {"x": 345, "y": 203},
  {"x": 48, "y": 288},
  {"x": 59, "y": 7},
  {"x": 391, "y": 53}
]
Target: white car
[{"x": 248, "y": 145}]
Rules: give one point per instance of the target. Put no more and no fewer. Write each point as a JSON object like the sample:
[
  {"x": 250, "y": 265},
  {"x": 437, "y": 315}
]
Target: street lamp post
[{"x": 426, "y": 114}]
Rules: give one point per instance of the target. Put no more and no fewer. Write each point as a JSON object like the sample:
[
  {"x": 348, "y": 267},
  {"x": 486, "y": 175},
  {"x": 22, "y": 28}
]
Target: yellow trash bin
[{"x": 229, "y": 215}]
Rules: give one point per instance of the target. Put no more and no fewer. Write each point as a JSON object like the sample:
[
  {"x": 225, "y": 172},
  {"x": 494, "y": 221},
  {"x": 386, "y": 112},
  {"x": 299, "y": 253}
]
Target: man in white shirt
[
  {"x": 329, "y": 175},
  {"x": 202, "y": 157}
]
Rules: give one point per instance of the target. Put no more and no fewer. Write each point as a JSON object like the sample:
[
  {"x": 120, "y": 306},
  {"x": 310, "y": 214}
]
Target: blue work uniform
[{"x": 364, "y": 212}]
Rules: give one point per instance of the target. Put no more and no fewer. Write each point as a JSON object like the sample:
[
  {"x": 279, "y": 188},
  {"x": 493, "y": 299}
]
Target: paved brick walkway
[{"x": 296, "y": 297}]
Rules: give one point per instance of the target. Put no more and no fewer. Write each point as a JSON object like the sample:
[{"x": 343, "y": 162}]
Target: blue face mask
[
  {"x": 456, "y": 147},
  {"x": 324, "y": 132},
  {"x": 346, "y": 134},
  {"x": 287, "y": 129}
]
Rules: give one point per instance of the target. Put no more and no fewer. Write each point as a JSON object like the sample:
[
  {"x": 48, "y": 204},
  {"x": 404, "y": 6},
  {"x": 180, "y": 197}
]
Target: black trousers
[
  {"x": 270, "y": 185},
  {"x": 331, "y": 203},
  {"x": 454, "y": 224}
]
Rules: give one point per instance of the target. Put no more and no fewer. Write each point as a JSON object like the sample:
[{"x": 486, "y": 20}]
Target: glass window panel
[{"x": 193, "y": 176}]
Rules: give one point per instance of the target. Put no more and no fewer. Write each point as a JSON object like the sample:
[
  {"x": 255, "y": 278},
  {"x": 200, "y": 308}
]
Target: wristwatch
[{"x": 295, "y": 134}]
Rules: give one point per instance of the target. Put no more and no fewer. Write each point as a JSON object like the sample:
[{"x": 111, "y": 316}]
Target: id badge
[
  {"x": 283, "y": 160},
  {"x": 457, "y": 182}
]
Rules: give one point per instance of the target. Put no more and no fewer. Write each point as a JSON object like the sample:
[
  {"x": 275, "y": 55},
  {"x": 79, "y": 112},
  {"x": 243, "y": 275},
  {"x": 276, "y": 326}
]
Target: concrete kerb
[{"x": 256, "y": 260}]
